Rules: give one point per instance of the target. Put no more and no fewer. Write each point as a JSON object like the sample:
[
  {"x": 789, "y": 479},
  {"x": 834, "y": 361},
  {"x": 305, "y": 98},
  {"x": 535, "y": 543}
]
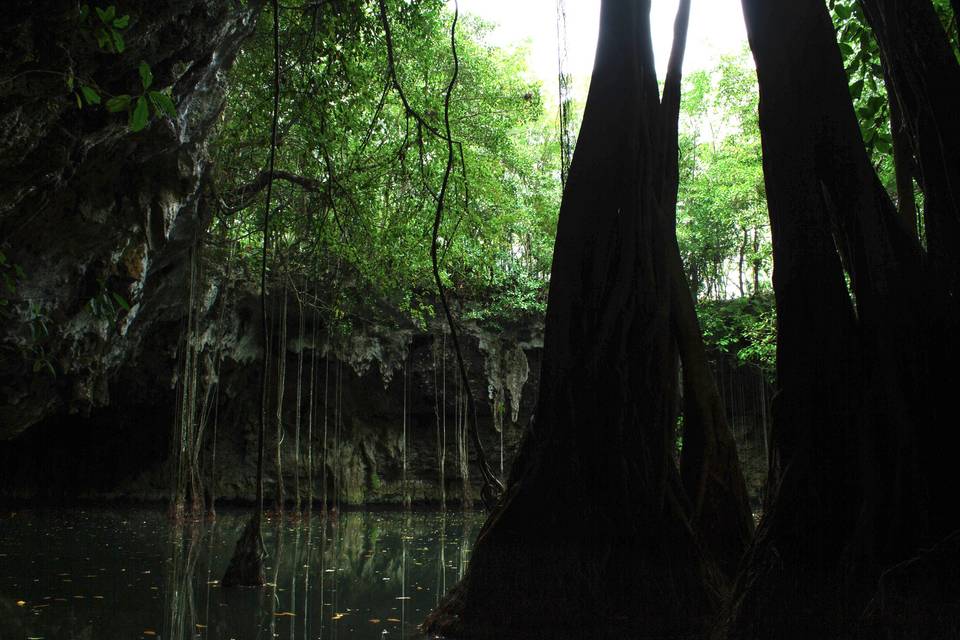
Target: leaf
[
  {"x": 70, "y": 82},
  {"x": 109, "y": 14},
  {"x": 856, "y": 89},
  {"x": 103, "y": 39},
  {"x": 121, "y": 22},
  {"x": 121, "y": 301},
  {"x": 163, "y": 103},
  {"x": 119, "y": 103},
  {"x": 140, "y": 114},
  {"x": 146, "y": 75},
  {"x": 90, "y": 94},
  {"x": 845, "y": 48},
  {"x": 117, "y": 40}
]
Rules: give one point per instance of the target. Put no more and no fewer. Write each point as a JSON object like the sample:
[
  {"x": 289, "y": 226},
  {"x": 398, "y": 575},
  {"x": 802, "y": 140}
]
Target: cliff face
[
  {"x": 375, "y": 398},
  {"x": 93, "y": 216}
]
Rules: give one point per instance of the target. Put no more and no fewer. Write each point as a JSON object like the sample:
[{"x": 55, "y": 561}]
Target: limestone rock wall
[{"x": 89, "y": 210}]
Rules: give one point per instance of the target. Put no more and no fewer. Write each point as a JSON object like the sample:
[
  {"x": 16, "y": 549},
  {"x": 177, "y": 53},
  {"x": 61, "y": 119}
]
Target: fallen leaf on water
[
  {"x": 402, "y": 598},
  {"x": 200, "y": 626},
  {"x": 393, "y": 619},
  {"x": 337, "y": 616},
  {"x": 149, "y": 632},
  {"x": 284, "y": 614},
  {"x": 375, "y": 620},
  {"x": 21, "y": 603}
]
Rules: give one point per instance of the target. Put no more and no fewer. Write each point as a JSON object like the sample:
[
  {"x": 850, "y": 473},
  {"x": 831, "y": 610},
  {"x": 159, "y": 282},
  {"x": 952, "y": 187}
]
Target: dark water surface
[{"x": 104, "y": 574}]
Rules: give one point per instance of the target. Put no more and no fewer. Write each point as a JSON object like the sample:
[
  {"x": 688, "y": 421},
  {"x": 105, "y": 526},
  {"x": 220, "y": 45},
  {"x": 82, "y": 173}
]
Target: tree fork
[{"x": 708, "y": 463}]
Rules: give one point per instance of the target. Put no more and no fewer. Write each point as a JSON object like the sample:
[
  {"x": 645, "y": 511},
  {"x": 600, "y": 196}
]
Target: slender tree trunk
[
  {"x": 709, "y": 466},
  {"x": 902, "y": 160}
]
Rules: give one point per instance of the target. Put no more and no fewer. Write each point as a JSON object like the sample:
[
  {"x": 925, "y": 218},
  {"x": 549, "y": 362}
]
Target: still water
[{"x": 104, "y": 574}]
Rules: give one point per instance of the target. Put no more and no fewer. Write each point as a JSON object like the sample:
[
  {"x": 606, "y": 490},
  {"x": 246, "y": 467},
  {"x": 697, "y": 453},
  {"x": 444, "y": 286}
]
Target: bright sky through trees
[{"x": 716, "y": 28}]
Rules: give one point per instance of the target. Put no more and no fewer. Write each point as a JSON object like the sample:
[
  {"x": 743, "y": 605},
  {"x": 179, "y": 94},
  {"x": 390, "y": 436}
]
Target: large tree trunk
[
  {"x": 790, "y": 578},
  {"x": 594, "y": 538},
  {"x": 847, "y": 496},
  {"x": 925, "y": 75}
]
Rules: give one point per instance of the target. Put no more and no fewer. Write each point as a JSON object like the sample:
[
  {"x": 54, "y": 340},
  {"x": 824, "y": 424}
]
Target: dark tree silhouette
[{"x": 597, "y": 533}]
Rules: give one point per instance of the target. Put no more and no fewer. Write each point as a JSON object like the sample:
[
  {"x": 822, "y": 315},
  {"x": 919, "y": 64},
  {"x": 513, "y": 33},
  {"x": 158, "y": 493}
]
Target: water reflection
[{"x": 108, "y": 574}]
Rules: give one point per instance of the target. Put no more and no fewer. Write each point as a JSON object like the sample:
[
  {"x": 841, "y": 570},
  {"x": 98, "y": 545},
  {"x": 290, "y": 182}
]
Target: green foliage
[
  {"x": 29, "y": 343},
  {"x": 861, "y": 58},
  {"x": 744, "y": 328},
  {"x": 107, "y": 305},
  {"x": 105, "y": 26},
  {"x": 722, "y": 224},
  {"x": 360, "y": 216}
]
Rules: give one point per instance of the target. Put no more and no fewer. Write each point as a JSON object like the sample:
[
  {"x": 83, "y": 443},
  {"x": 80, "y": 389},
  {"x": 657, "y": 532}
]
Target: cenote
[
  {"x": 479, "y": 319},
  {"x": 102, "y": 573}
]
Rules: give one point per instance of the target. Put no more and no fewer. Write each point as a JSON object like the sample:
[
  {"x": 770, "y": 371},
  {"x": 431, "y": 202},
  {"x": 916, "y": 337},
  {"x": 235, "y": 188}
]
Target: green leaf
[
  {"x": 121, "y": 301},
  {"x": 856, "y": 89},
  {"x": 845, "y": 48},
  {"x": 119, "y": 103},
  {"x": 70, "y": 82},
  {"x": 140, "y": 114},
  {"x": 146, "y": 75},
  {"x": 107, "y": 15},
  {"x": 117, "y": 40},
  {"x": 121, "y": 22},
  {"x": 103, "y": 39},
  {"x": 163, "y": 103},
  {"x": 90, "y": 94},
  {"x": 19, "y": 271}
]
